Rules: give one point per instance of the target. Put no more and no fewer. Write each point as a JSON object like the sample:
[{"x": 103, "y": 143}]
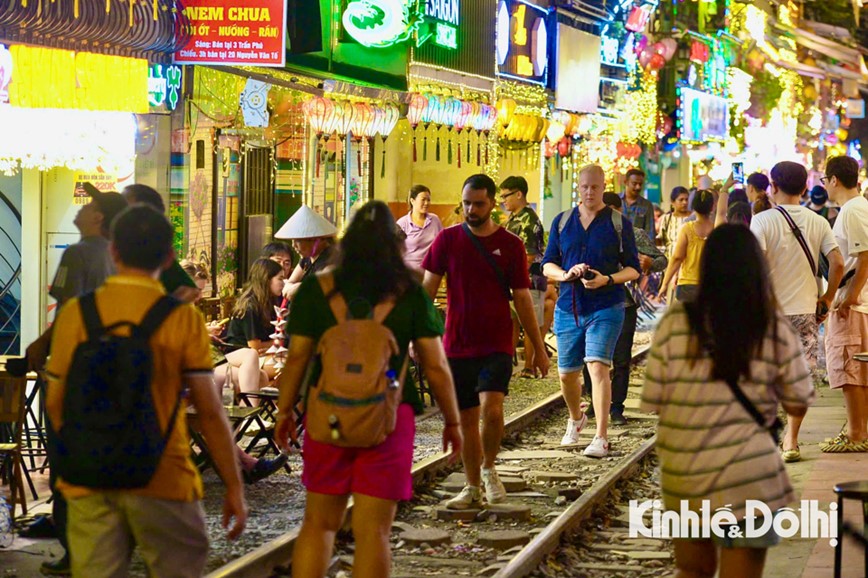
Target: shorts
[
  {"x": 593, "y": 339},
  {"x": 382, "y": 471},
  {"x": 808, "y": 331},
  {"x": 686, "y": 293},
  {"x": 473, "y": 375},
  {"x": 846, "y": 335},
  {"x": 539, "y": 306}
]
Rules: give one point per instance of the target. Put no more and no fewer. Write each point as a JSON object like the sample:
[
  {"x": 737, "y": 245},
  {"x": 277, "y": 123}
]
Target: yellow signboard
[{"x": 51, "y": 78}]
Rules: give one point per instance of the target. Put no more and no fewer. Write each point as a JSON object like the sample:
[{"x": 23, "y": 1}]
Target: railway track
[{"x": 551, "y": 496}]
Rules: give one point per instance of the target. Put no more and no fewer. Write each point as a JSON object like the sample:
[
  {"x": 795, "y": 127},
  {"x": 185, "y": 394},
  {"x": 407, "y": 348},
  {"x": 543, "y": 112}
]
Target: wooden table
[{"x": 33, "y": 443}]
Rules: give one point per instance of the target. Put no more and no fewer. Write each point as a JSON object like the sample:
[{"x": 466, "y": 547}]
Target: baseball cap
[
  {"x": 109, "y": 203},
  {"x": 819, "y": 195}
]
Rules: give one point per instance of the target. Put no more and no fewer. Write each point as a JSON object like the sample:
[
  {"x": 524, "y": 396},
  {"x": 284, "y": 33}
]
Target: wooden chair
[
  {"x": 210, "y": 308},
  {"x": 12, "y": 423}
]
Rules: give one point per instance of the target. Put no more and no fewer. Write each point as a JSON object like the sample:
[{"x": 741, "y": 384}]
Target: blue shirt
[
  {"x": 598, "y": 247},
  {"x": 640, "y": 213}
]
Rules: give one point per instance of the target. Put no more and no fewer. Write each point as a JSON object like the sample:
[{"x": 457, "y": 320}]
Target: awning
[{"x": 824, "y": 46}]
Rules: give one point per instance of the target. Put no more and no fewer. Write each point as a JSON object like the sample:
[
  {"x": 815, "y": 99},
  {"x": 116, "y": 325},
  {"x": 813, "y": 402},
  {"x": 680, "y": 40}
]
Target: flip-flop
[
  {"x": 844, "y": 446},
  {"x": 527, "y": 374}
]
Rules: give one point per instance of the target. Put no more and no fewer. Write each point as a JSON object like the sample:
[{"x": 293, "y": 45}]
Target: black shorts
[{"x": 473, "y": 375}]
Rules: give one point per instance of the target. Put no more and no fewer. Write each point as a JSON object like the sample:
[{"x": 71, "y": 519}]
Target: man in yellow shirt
[{"x": 164, "y": 518}]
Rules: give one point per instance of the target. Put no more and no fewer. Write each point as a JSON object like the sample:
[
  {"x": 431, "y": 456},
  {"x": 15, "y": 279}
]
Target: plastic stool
[{"x": 851, "y": 491}]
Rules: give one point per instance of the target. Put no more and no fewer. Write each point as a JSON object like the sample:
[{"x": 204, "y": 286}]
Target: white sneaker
[
  {"x": 494, "y": 490},
  {"x": 469, "y": 498},
  {"x": 573, "y": 429},
  {"x": 598, "y": 448}
]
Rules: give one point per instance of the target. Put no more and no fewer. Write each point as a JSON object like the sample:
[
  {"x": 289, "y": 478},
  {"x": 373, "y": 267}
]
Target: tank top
[{"x": 689, "y": 274}]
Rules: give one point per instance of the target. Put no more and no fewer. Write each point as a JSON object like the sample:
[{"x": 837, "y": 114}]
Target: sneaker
[
  {"x": 264, "y": 468},
  {"x": 494, "y": 490},
  {"x": 573, "y": 429},
  {"x": 617, "y": 418},
  {"x": 470, "y": 498},
  {"x": 57, "y": 568},
  {"x": 598, "y": 448}
]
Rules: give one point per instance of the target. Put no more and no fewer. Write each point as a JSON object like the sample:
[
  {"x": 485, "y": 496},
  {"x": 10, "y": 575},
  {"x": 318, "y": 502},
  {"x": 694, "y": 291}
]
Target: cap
[
  {"x": 110, "y": 203},
  {"x": 306, "y": 224},
  {"x": 819, "y": 195}
]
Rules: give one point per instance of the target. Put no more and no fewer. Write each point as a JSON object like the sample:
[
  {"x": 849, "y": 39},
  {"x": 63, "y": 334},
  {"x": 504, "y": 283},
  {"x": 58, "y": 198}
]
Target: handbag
[{"x": 501, "y": 278}]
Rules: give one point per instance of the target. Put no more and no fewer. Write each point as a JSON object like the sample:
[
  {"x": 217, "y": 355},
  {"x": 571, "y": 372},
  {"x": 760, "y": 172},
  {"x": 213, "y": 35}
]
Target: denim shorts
[{"x": 592, "y": 339}]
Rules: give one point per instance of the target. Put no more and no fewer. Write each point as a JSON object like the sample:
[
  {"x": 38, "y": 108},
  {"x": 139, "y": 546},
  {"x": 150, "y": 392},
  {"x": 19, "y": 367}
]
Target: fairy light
[
  {"x": 640, "y": 122},
  {"x": 738, "y": 84}
]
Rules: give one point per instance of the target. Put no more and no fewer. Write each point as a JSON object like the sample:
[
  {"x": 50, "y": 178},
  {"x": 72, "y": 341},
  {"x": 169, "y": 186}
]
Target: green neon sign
[
  {"x": 383, "y": 23},
  {"x": 164, "y": 85}
]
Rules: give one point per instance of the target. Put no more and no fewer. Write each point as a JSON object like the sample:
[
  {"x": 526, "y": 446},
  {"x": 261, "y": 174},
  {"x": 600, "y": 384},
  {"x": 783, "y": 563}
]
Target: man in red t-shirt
[{"x": 482, "y": 263}]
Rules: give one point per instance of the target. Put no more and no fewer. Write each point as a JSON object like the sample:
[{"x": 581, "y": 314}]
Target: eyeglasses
[
  {"x": 507, "y": 195},
  {"x": 825, "y": 179}
]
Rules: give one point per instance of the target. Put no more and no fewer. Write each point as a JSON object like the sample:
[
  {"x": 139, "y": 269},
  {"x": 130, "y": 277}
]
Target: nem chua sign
[{"x": 235, "y": 32}]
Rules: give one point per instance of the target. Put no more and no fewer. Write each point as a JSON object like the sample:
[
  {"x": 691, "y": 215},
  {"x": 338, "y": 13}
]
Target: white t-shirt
[
  {"x": 851, "y": 233},
  {"x": 794, "y": 283}
]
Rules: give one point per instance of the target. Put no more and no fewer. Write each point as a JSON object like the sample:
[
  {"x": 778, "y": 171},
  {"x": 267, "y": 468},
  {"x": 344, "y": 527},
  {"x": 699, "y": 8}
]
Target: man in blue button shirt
[
  {"x": 591, "y": 263},
  {"x": 637, "y": 208}
]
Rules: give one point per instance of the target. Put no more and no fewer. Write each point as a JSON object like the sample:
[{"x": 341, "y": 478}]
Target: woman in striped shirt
[{"x": 710, "y": 447}]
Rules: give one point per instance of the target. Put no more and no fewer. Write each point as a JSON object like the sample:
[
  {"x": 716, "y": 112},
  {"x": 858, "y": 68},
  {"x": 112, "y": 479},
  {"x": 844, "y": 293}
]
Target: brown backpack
[{"x": 354, "y": 403}]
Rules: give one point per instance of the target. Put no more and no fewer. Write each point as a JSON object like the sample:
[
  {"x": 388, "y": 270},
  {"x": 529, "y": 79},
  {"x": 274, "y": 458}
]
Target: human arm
[
  {"x": 291, "y": 285},
  {"x": 853, "y": 289},
  {"x": 722, "y": 205},
  {"x": 836, "y": 273},
  {"x": 553, "y": 261},
  {"x": 297, "y": 359},
  {"x": 436, "y": 367},
  {"x": 431, "y": 283},
  {"x": 37, "y": 352},
  {"x": 678, "y": 256},
  {"x": 526, "y": 316},
  {"x": 215, "y": 427}
]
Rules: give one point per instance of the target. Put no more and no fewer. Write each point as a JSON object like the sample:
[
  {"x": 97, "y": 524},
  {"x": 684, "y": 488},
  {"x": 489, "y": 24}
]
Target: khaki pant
[{"x": 104, "y": 529}]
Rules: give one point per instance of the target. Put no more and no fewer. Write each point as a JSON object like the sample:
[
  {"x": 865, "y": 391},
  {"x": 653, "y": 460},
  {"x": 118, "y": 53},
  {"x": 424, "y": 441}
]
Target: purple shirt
[{"x": 419, "y": 239}]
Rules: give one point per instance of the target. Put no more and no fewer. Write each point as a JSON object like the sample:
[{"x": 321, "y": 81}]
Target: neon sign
[
  {"x": 444, "y": 16},
  {"x": 164, "y": 85},
  {"x": 522, "y": 41},
  {"x": 379, "y": 23},
  {"x": 702, "y": 116}
]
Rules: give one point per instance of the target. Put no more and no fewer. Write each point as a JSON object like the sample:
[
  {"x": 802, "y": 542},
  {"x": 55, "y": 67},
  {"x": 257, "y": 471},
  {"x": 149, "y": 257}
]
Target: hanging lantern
[
  {"x": 376, "y": 126},
  {"x": 451, "y": 111},
  {"x": 391, "y": 119},
  {"x": 344, "y": 116},
  {"x": 417, "y": 108},
  {"x": 433, "y": 110},
  {"x": 319, "y": 113},
  {"x": 490, "y": 116},
  {"x": 464, "y": 115},
  {"x": 564, "y": 147},
  {"x": 476, "y": 116},
  {"x": 505, "y": 110},
  {"x": 362, "y": 120},
  {"x": 556, "y": 131}
]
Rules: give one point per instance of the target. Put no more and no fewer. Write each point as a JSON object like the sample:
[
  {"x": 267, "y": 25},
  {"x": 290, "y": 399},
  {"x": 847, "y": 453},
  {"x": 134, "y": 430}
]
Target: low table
[{"x": 240, "y": 419}]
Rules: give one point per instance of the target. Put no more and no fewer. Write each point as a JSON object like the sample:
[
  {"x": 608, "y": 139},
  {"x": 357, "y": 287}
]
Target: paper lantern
[
  {"x": 490, "y": 117},
  {"x": 564, "y": 147},
  {"x": 656, "y": 62},
  {"x": 670, "y": 46},
  {"x": 505, "y": 110},
  {"x": 344, "y": 116},
  {"x": 319, "y": 113},
  {"x": 541, "y": 129},
  {"x": 645, "y": 57},
  {"x": 416, "y": 110},
  {"x": 451, "y": 111},
  {"x": 556, "y": 131},
  {"x": 392, "y": 114},
  {"x": 362, "y": 119},
  {"x": 464, "y": 115},
  {"x": 842, "y": 134},
  {"x": 376, "y": 126},
  {"x": 433, "y": 110}
]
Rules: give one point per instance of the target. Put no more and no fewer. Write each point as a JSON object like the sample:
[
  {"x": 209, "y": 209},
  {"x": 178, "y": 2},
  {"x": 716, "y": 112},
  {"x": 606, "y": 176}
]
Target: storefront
[{"x": 69, "y": 117}]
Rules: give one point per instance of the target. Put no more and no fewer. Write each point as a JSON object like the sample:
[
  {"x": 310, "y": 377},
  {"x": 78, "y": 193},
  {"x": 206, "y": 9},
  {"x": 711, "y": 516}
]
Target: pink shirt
[{"x": 419, "y": 239}]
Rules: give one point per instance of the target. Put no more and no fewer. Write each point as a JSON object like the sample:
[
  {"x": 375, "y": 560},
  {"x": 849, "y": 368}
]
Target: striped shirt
[{"x": 709, "y": 447}]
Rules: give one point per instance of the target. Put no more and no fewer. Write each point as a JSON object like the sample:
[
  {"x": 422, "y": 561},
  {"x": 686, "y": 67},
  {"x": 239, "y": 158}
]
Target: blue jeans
[{"x": 593, "y": 338}]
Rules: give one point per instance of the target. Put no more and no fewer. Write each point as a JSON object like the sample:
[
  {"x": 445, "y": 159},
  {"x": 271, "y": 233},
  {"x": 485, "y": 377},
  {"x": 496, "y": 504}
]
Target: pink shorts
[
  {"x": 382, "y": 471},
  {"x": 845, "y": 337}
]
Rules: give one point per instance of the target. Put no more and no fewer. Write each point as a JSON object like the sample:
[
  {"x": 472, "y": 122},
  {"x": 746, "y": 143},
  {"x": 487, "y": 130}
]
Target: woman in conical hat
[{"x": 313, "y": 237}]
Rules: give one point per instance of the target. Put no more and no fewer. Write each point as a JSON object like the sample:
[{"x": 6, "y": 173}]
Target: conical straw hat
[{"x": 306, "y": 224}]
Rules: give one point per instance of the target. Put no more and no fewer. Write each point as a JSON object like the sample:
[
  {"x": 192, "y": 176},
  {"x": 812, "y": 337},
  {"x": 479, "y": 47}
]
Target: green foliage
[{"x": 765, "y": 91}]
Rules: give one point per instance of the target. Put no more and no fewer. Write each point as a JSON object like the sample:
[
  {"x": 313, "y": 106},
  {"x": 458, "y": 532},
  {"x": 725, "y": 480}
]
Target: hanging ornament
[
  {"x": 383, "y": 162},
  {"x": 459, "y": 152},
  {"x": 437, "y": 153},
  {"x": 505, "y": 110},
  {"x": 449, "y": 152}
]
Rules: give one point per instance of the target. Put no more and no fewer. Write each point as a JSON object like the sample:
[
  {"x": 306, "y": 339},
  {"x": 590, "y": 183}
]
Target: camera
[{"x": 588, "y": 275}]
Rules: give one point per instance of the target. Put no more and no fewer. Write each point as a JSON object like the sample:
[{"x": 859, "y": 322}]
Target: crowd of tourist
[{"x": 764, "y": 267}]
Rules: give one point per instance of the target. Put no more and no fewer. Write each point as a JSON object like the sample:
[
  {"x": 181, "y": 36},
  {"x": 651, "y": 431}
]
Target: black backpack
[{"x": 111, "y": 438}]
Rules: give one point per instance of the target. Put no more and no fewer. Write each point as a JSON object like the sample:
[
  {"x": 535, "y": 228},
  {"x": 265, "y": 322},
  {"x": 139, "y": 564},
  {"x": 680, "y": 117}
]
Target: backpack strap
[
  {"x": 336, "y": 301},
  {"x": 618, "y": 223},
  {"x": 156, "y": 315},
  {"x": 382, "y": 309},
  {"x": 562, "y": 222},
  {"x": 90, "y": 316}
]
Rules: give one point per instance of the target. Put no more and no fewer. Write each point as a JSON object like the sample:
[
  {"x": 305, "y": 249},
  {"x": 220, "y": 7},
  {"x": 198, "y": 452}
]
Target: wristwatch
[{"x": 610, "y": 281}]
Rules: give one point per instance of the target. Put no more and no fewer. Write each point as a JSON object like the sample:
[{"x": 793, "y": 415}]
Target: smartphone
[{"x": 738, "y": 173}]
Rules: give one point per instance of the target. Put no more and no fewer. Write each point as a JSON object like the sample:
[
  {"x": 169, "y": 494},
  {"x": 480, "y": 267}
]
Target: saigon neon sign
[
  {"x": 164, "y": 85},
  {"x": 383, "y": 23}
]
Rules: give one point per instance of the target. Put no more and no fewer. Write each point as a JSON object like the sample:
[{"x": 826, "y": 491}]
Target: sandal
[
  {"x": 845, "y": 445},
  {"x": 791, "y": 456},
  {"x": 527, "y": 374}
]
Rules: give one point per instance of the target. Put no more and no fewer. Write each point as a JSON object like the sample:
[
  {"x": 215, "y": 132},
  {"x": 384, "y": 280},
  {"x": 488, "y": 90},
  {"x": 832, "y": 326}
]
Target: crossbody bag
[
  {"x": 774, "y": 429},
  {"x": 804, "y": 245},
  {"x": 501, "y": 277}
]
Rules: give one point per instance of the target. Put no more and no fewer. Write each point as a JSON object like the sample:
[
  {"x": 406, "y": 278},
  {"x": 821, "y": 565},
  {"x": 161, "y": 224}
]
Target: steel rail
[{"x": 261, "y": 562}]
